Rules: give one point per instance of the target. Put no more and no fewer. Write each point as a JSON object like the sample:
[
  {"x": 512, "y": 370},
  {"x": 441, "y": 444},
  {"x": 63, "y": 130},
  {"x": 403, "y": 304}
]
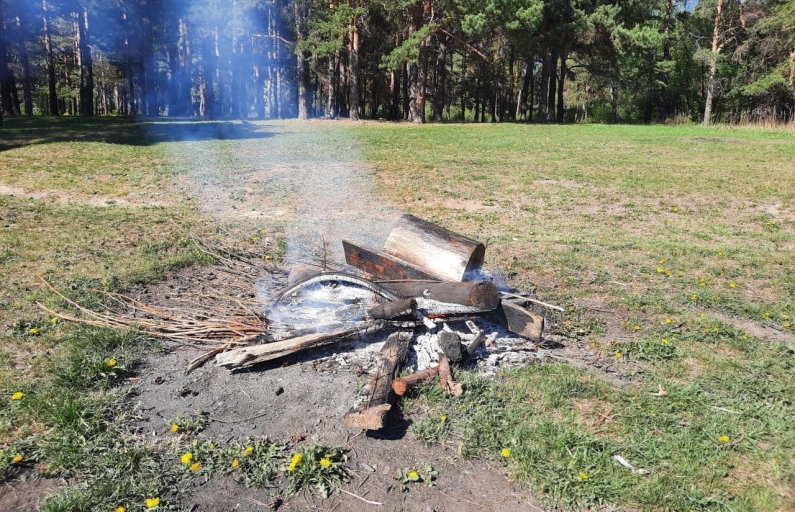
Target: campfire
[{"x": 424, "y": 296}]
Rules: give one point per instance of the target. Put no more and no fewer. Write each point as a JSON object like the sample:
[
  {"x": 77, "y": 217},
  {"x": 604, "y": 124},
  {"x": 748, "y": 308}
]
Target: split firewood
[
  {"x": 482, "y": 295},
  {"x": 380, "y": 265},
  {"x": 477, "y": 341},
  {"x": 446, "y": 378},
  {"x": 518, "y": 320},
  {"x": 438, "y": 251},
  {"x": 402, "y": 385},
  {"x": 395, "y": 309},
  {"x": 250, "y": 355},
  {"x": 371, "y": 414}
]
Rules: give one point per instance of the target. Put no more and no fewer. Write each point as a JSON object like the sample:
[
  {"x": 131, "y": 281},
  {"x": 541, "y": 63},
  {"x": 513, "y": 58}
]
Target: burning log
[
  {"x": 446, "y": 378},
  {"x": 251, "y": 355},
  {"x": 450, "y": 344},
  {"x": 380, "y": 265},
  {"x": 434, "y": 249},
  {"x": 482, "y": 295},
  {"x": 391, "y": 310},
  {"x": 402, "y": 385},
  {"x": 371, "y": 415}
]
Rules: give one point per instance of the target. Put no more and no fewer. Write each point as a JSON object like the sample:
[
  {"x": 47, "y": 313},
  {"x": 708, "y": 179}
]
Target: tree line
[{"x": 418, "y": 60}]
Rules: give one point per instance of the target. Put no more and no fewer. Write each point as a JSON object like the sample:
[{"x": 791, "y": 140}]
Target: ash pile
[{"x": 422, "y": 307}]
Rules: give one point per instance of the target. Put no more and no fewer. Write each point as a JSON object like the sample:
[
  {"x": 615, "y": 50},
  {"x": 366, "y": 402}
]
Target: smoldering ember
[{"x": 414, "y": 311}]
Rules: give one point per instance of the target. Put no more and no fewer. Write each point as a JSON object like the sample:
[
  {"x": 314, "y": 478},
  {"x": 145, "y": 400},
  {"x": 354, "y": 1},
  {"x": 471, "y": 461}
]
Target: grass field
[{"x": 671, "y": 248}]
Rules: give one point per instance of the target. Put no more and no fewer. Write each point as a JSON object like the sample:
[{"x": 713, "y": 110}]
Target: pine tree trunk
[
  {"x": 543, "y": 96},
  {"x": 521, "y": 104},
  {"x": 553, "y": 83},
  {"x": 86, "y": 67},
  {"x": 25, "y": 65},
  {"x": 5, "y": 72},
  {"x": 53, "y": 94},
  {"x": 439, "y": 97},
  {"x": 353, "y": 72},
  {"x": 713, "y": 64},
  {"x": 562, "y": 80}
]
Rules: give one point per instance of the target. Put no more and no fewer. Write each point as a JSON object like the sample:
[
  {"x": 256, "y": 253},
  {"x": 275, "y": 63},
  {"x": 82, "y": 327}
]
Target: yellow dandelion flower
[
  {"x": 619, "y": 355},
  {"x": 195, "y": 467},
  {"x": 785, "y": 325},
  {"x": 248, "y": 450},
  {"x": 54, "y": 320},
  {"x": 413, "y": 476},
  {"x": 732, "y": 285},
  {"x": 33, "y": 330},
  {"x": 111, "y": 362},
  {"x": 665, "y": 341},
  {"x": 297, "y": 458},
  {"x": 723, "y": 439},
  {"x": 120, "y": 509},
  {"x": 694, "y": 297},
  {"x": 745, "y": 336},
  {"x": 583, "y": 475},
  {"x": 676, "y": 209},
  {"x": 17, "y": 459},
  {"x": 443, "y": 418},
  {"x": 637, "y": 327},
  {"x": 235, "y": 463},
  {"x": 505, "y": 452},
  {"x": 325, "y": 463},
  {"x": 661, "y": 262},
  {"x": 17, "y": 396},
  {"x": 211, "y": 446},
  {"x": 741, "y": 206},
  {"x": 667, "y": 320},
  {"x": 186, "y": 458},
  {"x": 175, "y": 428},
  {"x": 152, "y": 502},
  {"x": 660, "y": 270},
  {"x": 462, "y": 406}
]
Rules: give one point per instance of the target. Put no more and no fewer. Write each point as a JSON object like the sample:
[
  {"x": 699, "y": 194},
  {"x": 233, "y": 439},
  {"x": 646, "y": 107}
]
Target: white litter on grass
[{"x": 638, "y": 471}]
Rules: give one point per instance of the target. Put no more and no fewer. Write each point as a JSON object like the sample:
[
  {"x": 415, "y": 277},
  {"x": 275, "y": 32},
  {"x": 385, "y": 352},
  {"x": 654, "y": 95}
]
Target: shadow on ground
[{"x": 17, "y": 133}]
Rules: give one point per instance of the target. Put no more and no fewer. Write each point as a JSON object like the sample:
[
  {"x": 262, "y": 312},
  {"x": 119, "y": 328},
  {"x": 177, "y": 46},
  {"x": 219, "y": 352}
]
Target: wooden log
[
  {"x": 518, "y": 320},
  {"x": 371, "y": 414},
  {"x": 434, "y": 249},
  {"x": 380, "y": 265},
  {"x": 396, "y": 309},
  {"x": 446, "y": 378},
  {"x": 402, "y": 385},
  {"x": 253, "y": 354},
  {"x": 479, "y": 294}
]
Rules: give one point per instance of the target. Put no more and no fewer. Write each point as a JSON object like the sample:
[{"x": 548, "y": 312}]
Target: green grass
[
  {"x": 683, "y": 234},
  {"x": 673, "y": 229}
]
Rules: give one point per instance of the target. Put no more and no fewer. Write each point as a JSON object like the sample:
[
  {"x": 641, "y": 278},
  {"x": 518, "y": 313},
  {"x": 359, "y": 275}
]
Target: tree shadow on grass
[{"x": 21, "y": 132}]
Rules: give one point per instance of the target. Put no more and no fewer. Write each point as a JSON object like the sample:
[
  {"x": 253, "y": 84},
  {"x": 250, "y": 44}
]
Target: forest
[{"x": 564, "y": 61}]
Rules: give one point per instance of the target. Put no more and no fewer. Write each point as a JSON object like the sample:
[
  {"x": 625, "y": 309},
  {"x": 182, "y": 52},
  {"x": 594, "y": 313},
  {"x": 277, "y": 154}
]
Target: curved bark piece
[{"x": 327, "y": 277}]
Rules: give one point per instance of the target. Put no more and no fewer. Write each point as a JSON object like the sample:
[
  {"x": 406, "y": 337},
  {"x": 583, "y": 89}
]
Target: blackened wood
[
  {"x": 380, "y": 265},
  {"x": 438, "y": 251},
  {"x": 518, "y": 320},
  {"x": 402, "y": 385},
  {"x": 390, "y": 310},
  {"x": 480, "y": 294},
  {"x": 450, "y": 344},
  {"x": 371, "y": 414}
]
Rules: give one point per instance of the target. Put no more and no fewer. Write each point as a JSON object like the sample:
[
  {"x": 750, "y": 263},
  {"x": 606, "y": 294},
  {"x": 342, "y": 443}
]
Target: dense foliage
[{"x": 485, "y": 60}]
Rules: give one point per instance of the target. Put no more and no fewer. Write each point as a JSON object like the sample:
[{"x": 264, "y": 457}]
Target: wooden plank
[
  {"x": 380, "y": 265},
  {"x": 479, "y": 294},
  {"x": 371, "y": 414},
  {"x": 440, "y": 252}
]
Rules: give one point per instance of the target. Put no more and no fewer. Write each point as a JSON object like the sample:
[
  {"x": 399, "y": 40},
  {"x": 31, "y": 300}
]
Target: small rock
[{"x": 279, "y": 390}]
